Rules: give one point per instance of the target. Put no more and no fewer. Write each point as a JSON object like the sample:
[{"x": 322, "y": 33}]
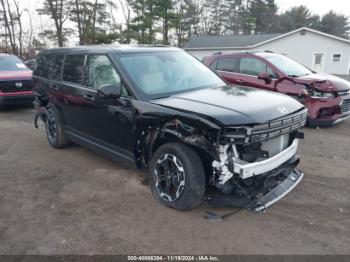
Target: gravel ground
[{"x": 73, "y": 201}]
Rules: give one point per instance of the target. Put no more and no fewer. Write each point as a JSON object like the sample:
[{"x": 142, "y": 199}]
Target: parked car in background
[
  {"x": 16, "y": 86},
  {"x": 163, "y": 110},
  {"x": 30, "y": 64},
  {"x": 327, "y": 97}
]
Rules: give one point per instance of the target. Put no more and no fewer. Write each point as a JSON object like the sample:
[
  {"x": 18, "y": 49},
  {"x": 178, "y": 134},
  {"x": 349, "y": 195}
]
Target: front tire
[
  {"x": 54, "y": 131},
  {"x": 177, "y": 176}
]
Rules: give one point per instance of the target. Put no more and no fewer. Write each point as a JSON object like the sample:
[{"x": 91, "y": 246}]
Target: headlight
[{"x": 315, "y": 94}]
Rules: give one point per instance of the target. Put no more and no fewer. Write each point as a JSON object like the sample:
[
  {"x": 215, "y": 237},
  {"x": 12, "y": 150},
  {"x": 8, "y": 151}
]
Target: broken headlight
[{"x": 316, "y": 94}]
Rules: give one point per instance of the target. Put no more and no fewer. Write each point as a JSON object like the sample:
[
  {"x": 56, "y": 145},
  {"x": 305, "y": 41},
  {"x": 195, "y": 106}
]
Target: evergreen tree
[{"x": 335, "y": 24}]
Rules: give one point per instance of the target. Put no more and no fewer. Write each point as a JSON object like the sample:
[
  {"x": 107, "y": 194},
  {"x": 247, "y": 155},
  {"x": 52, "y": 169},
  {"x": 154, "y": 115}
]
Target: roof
[
  {"x": 246, "y": 41},
  {"x": 110, "y": 49},
  {"x": 238, "y": 41}
]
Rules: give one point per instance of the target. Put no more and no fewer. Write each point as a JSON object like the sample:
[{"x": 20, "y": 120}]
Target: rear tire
[
  {"x": 54, "y": 131},
  {"x": 177, "y": 164}
]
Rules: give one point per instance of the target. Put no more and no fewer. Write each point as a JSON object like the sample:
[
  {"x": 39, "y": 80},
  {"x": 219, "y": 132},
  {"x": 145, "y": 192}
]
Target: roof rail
[{"x": 269, "y": 51}]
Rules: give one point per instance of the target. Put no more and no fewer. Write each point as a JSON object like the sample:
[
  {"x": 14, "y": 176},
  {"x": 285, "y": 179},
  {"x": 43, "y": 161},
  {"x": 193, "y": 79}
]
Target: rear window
[
  {"x": 73, "y": 69},
  {"x": 11, "y": 63}
]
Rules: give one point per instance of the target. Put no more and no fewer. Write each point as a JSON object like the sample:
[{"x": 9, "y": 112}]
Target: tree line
[{"x": 167, "y": 22}]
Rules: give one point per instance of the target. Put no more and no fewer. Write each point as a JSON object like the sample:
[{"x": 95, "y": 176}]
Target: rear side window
[
  {"x": 228, "y": 64},
  {"x": 55, "y": 67},
  {"x": 73, "y": 69},
  {"x": 42, "y": 66},
  {"x": 49, "y": 66}
]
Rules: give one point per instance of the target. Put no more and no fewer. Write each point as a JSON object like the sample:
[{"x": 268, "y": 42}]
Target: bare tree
[
  {"x": 9, "y": 24},
  {"x": 58, "y": 10}
]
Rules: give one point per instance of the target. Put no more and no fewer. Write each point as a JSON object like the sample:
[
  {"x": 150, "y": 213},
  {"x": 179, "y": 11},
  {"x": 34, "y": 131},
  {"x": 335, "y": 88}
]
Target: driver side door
[{"x": 250, "y": 68}]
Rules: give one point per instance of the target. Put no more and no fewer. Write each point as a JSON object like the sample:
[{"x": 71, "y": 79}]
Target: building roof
[
  {"x": 111, "y": 49},
  {"x": 238, "y": 41},
  {"x": 246, "y": 41}
]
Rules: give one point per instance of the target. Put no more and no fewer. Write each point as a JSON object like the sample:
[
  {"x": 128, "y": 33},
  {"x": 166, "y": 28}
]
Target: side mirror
[
  {"x": 266, "y": 77},
  {"x": 109, "y": 91}
]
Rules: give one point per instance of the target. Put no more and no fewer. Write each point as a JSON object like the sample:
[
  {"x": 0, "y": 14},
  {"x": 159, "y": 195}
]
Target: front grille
[
  {"x": 266, "y": 131},
  {"x": 18, "y": 100},
  {"x": 345, "y": 106},
  {"x": 279, "y": 126},
  {"x": 16, "y": 86}
]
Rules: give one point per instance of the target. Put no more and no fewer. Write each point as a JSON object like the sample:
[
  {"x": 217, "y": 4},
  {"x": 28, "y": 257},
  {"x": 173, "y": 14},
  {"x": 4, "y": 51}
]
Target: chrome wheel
[{"x": 169, "y": 177}]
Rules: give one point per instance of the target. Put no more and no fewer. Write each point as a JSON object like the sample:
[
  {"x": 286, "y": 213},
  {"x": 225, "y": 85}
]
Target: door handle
[
  {"x": 89, "y": 97},
  {"x": 240, "y": 81},
  {"x": 55, "y": 87}
]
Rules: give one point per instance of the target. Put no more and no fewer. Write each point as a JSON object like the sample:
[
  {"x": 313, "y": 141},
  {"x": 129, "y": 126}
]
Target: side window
[
  {"x": 44, "y": 65},
  {"x": 228, "y": 64},
  {"x": 252, "y": 66},
  {"x": 56, "y": 68},
  {"x": 100, "y": 71},
  {"x": 214, "y": 64},
  {"x": 73, "y": 69}
]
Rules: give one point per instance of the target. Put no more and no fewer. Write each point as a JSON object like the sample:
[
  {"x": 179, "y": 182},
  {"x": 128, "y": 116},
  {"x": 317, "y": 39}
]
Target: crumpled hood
[
  {"x": 233, "y": 105},
  {"x": 324, "y": 82},
  {"x": 15, "y": 75}
]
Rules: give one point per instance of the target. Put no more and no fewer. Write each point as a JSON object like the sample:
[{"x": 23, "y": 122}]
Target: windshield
[
  {"x": 161, "y": 74},
  {"x": 289, "y": 66},
  {"x": 11, "y": 63}
]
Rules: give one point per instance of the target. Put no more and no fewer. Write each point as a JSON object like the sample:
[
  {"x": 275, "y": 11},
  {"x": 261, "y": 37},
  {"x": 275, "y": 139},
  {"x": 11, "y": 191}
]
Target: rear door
[{"x": 82, "y": 114}]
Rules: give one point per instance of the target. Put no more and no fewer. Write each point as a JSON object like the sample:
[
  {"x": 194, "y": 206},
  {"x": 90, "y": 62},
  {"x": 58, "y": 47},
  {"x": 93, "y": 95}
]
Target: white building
[{"x": 316, "y": 50}]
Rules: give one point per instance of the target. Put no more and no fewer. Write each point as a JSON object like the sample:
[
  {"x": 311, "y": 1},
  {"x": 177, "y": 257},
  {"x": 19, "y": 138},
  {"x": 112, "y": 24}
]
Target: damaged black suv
[{"x": 161, "y": 109}]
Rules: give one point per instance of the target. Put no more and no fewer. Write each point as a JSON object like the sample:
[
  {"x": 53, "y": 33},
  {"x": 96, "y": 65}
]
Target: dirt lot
[{"x": 74, "y": 202}]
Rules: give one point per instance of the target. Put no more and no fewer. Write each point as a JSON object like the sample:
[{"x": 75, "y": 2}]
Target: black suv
[{"x": 161, "y": 109}]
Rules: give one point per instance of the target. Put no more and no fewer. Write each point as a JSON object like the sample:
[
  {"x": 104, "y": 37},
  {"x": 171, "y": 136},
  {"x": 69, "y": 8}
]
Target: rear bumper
[{"x": 20, "y": 98}]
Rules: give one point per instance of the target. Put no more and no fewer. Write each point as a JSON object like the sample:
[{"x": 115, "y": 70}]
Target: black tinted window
[
  {"x": 55, "y": 67},
  {"x": 228, "y": 64},
  {"x": 42, "y": 66},
  {"x": 73, "y": 69}
]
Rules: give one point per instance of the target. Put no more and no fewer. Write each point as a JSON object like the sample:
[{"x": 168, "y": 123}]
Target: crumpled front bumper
[
  {"x": 257, "y": 168},
  {"x": 279, "y": 192}
]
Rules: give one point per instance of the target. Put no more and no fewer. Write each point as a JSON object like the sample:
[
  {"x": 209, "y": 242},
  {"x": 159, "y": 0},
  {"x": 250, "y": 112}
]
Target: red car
[
  {"x": 327, "y": 97},
  {"x": 16, "y": 86}
]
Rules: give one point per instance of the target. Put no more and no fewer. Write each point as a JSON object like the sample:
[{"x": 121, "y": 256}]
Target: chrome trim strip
[
  {"x": 258, "y": 168},
  {"x": 343, "y": 118}
]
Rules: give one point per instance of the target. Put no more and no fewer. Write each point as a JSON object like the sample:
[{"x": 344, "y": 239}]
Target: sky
[{"x": 319, "y": 7}]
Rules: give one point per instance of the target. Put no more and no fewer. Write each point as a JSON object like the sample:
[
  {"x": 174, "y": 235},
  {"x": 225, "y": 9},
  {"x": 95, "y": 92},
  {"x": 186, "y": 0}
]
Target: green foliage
[
  {"x": 335, "y": 24},
  {"x": 175, "y": 21}
]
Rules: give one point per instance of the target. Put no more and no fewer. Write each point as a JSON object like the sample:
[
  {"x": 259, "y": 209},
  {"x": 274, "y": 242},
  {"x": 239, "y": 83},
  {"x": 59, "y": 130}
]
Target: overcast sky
[{"x": 319, "y": 7}]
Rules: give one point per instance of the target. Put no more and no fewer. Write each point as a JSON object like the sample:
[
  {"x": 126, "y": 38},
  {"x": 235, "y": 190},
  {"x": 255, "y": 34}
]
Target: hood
[
  {"x": 324, "y": 82},
  {"x": 233, "y": 105},
  {"x": 15, "y": 75}
]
